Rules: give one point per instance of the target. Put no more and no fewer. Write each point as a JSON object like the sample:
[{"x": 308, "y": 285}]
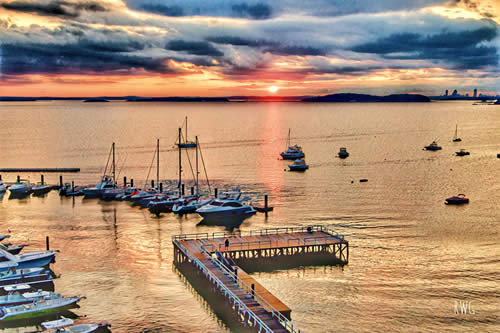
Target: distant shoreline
[{"x": 332, "y": 98}]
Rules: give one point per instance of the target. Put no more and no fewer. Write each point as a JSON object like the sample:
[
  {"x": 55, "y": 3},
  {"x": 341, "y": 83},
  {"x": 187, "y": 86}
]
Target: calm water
[{"x": 411, "y": 257}]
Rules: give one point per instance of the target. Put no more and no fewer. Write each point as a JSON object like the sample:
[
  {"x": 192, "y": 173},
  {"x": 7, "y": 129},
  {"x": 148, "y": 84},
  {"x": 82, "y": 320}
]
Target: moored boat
[
  {"x": 459, "y": 199},
  {"x": 66, "y": 325},
  {"x": 41, "y": 189},
  {"x": 433, "y": 146},
  {"x": 221, "y": 209},
  {"x": 343, "y": 152},
  {"x": 292, "y": 152},
  {"x": 39, "y": 308},
  {"x": 14, "y": 299},
  {"x": 28, "y": 259},
  {"x": 298, "y": 165},
  {"x": 22, "y": 187},
  {"x": 462, "y": 152},
  {"x": 456, "y": 138}
]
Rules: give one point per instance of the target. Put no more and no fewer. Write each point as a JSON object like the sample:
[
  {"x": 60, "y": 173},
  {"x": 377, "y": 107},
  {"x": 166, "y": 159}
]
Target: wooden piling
[
  {"x": 18, "y": 178},
  {"x": 161, "y": 187},
  {"x": 41, "y": 179},
  {"x": 216, "y": 192},
  {"x": 192, "y": 190},
  {"x": 265, "y": 204},
  {"x": 182, "y": 189},
  {"x": 72, "y": 185},
  {"x": 131, "y": 182},
  {"x": 60, "y": 181},
  {"x": 152, "y": 184},
  {"x": 124, "y": 180}
]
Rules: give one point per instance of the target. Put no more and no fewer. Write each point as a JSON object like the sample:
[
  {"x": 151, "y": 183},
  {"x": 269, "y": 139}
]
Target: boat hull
[
  {"x": 298, "y": 167},
  {"x": 40, "y": 312},
  {"x": 240, "y": 213},
  {"x": 290, "y": 156}
]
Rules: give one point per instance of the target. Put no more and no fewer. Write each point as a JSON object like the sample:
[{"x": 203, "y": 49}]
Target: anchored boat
[
  {"x": 38, "y": 308},
  {"x": 298, "y": 165},
  {"x": 433, "y": 146},
  {"x": 343, "y": 152},
  {"x": 293, "y": 152},
  {"x": 459, "y": 199},
  {"x": 462, "y": 152}
]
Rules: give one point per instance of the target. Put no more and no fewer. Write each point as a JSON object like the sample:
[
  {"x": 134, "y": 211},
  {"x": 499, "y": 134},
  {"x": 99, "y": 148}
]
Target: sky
[{"x": 247, "y": 47}]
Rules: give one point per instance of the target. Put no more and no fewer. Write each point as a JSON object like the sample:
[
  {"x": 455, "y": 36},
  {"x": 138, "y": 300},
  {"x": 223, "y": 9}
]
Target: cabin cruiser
[
  {"x": 187, "y": 206},
  {"x": 298, "y": 165},
  {"x": 293, "y": 152},
  {"x": 22, "y": 187},
  {"x": 343, "y": 152},
  {"x": 226, "y": 206},
  {"x": 106, "y": 183},
  {"x": 433, "y": 146}
]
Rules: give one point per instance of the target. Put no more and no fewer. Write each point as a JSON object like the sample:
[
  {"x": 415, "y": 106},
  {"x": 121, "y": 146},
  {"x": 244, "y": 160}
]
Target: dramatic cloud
[
  {"x": 463, "y": 49},
  {"x": 194, "y": 47},
  {"x": 54, "y": 8}
]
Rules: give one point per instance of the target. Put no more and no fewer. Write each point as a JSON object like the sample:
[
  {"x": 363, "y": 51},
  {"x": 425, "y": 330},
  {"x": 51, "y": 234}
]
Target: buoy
[{"x": 364, "y": 180}]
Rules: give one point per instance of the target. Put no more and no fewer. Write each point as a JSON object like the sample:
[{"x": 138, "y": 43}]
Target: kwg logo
[{"x": 463, "y": 307}]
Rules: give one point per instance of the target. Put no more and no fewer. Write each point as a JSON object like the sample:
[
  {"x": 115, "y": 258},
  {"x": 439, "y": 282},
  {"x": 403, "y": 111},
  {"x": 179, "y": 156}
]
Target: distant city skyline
[{"x": 153, "y": 48}]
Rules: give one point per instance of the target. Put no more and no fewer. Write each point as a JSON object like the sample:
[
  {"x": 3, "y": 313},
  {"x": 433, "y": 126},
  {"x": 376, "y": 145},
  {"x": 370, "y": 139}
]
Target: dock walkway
[{"x": 253, "y": 303}]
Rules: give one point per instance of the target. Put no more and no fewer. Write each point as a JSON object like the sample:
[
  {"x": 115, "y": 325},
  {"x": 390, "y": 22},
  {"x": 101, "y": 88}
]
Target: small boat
[
  {"x": 456, "y": 138},
  {"x": 462, "y": 152},
  {"x": 22, "y": 187},
  {"x": 28, "y": 259},
  {"x": 41, "y": 189},
  {"x": 12, "y": 249},
  {"x": 343, "y": 152},
  {"x": 15, "y": 298},
  {"x": 66, "y": 325},
  {"x": 34, "y": 282},
  {"x": 20, "y": 273},
  {"x": 39, "y": 308},
  {"x": 292, "y": 152},
  {"x": 457, "y": 200},
  {"x": 69, "y": 190},
  {"x": 433, "y": 146},
  {"x": 298, "y": 165}
]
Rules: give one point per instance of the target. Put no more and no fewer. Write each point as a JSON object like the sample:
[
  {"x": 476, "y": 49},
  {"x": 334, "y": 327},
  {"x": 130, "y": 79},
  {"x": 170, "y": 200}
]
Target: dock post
[
  {"x": 182, "y": 189},
  {"x": 41, "y": 179},
  {"x": 60, "y": 181},
  {"x": 18, "y": 178},
  {"x": 152, "y": 184},
  {"x": 192, "y": 190},
  {"x": 47, "y": 242},
  {"x": 265, "y": 204},
  {"x": 0, "y": 177},
  {"x": 216, "y": 192},
  {"x": 124, "y": 180},
  {"x": 73, "y": 186},
  {"x": 131, "y": 182},
  {"x": 161, "y": 187}
]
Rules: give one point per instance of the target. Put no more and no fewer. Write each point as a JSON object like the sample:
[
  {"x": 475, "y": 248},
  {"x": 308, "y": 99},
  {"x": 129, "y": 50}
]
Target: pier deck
[{"x": 252, "y": 302}]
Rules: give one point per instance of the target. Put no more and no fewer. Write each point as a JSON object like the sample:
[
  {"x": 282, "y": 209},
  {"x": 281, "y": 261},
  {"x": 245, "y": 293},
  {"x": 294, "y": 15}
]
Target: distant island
[
  {"x": 360, "y": 98},
  {"x": 96, "y": 100}
]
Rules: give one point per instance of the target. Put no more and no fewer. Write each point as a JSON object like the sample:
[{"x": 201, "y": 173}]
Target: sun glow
[{"x": 273, "y": 89}]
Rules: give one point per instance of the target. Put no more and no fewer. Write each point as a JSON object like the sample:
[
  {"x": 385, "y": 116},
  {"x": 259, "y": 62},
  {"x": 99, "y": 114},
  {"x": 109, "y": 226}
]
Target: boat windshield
[
  {"x": 217, "y": 203},
  {"x": 232, "y": 204}
]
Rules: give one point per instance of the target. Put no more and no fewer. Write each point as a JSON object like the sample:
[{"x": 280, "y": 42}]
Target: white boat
[
  {"x": 39, "y": 308},
  {"x": 66, "y": 325},
  {"x": 14, "y": 299},
  {"x": 14, "y": 273},
  {"x": 22, "y": 187},
  {"x": 293, "y": 152},
  {"x": 28, "y": 259},
  {"x": 106, "y": 183},
  {"x": 226, "y": 208},
  {"x": 187, "y": 207}
]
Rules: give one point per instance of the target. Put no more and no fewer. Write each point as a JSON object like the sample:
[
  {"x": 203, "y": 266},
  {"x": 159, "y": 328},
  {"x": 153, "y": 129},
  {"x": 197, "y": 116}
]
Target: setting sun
[{"x": 273, "y": 89}]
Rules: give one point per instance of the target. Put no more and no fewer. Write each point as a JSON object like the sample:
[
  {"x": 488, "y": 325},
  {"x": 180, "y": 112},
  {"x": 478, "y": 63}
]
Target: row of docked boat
[
  {"x": 23, "y": 188},
  {"x": 27, "y": 293}
]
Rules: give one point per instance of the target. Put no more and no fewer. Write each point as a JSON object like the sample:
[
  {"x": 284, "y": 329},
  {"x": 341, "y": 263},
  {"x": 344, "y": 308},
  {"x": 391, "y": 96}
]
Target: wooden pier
[{"x": 214, "y": 255}]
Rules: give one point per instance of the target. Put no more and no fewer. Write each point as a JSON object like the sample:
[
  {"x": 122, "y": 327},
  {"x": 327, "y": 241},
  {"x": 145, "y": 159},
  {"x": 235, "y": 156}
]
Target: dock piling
[
  {"x": 216, "y": 192},
  {"x": 72, "y": 185},
  {"x": 18, "y": 178},
  {"x": 192, "y": 190},
  {"x": 124, "y": 180},
  {"x": 161, "y": 187},
  {"x": 265, "y": 204},
  {"x": 152, "y": 184},
  {"x": 41, "y": 179},
  {"x": 60, "y": 181},
  {"x": 182, "y": 189},
  {"x": 131, "y": 182}
]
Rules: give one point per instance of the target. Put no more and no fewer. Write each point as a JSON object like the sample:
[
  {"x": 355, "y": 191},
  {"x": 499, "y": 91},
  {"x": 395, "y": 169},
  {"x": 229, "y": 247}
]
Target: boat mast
[
  {"x": 197, "y": 173},
  {"x": 186, "y": 128},
  {"x": 180, "y": 165},
  {"x": 288, "y": 138},
  {"x": 456, "y": 131},
  {"x": 158, "y": 163},
  {"x": 114, "y": 169}
]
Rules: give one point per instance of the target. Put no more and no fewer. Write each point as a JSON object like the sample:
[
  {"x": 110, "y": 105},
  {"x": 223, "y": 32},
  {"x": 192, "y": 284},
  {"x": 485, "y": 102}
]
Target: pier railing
[
  {"x": 285, "y": 322},
  {"x": 263, "y": 327},
  {"x": 269, "y": 231}
]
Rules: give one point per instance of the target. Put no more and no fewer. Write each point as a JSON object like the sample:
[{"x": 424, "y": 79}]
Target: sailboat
[
  {"x": 185, "y": 143},
  {"x": 293, "y": 152},
  {"x": 456, "y": 138},
  {"x": 106, "y": 183}
]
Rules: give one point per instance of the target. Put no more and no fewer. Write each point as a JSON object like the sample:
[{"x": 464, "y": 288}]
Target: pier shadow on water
[
  {"x": 208, "y": 295},
  {"x": 271, "y": 264}
]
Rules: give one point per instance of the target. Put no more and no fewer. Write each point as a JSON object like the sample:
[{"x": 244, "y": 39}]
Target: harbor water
[{"x": 412, "y": 258}]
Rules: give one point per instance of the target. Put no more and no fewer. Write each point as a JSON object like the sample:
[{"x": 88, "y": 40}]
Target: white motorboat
[
  {"x": 189, "y": 206},
  {"x": 14, "y": 273},
  {"x": 22, "y": 187},
  {"x": 13, "y": 299},
  {"x": 26, "y": 260},
  {"x": 220, "y": 209},
  {"x": 107, "y": 182},
  {"x": 38, "y": 309}
]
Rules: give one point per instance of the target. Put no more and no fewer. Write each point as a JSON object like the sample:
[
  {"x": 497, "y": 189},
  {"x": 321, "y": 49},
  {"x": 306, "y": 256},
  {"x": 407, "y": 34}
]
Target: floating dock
[
  {"x": 62, "y": 170},
  {"x": 214, "y": 255}
]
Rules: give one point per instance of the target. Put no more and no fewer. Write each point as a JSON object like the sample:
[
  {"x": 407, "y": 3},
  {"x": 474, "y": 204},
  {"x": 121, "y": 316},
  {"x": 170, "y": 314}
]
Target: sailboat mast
[
  {"x": 180, "y": 165},
  {"x": 197, "y": 173},
  {"x": 288, "y": 138},
  {"x": 114, "y": 169},
  {"x": 186, "y": 128},
  {"x": 456, "y": 130},
  {"x": 157, "y": 163}
]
